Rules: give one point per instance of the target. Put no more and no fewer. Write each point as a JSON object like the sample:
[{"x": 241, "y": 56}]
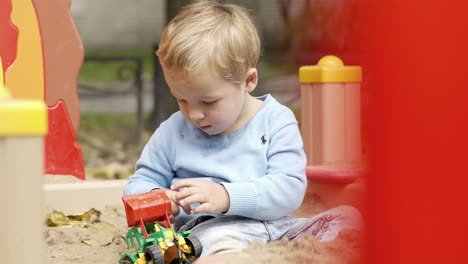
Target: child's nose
[{"x": 195, "y": 114}]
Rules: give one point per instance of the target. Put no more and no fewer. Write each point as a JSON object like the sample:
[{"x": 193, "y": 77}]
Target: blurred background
[{"x": 123, "y": 95}]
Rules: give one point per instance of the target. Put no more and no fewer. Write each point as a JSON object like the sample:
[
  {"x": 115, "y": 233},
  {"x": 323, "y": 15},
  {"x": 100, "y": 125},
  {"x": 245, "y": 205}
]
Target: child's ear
[{"x": 251, "y": 80}]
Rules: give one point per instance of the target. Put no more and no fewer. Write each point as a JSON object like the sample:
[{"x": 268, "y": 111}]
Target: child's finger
[
  {"x": 184, "y": 193},
  {"x": 175, "y": 209},
  {"x": 183, "y": 184},
  {"x": 203, "y": 208},
  {"x": 172, "y": 218},
  {"x": 191, "y": 199},
  {"x": 170, "y": 194},
  {"x": 187, "y": 209}
]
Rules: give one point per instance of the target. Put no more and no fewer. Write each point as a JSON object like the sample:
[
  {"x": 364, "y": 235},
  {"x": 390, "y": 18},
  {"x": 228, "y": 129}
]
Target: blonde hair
[{"x": 222, "y": 37}]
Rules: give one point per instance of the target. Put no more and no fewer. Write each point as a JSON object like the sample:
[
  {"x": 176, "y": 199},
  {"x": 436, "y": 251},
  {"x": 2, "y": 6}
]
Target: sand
[
  {"x": 102, "y": 240},
  {"x": 346, "y": 248},
  {"x": 85, "y": 244},
  {"x": 99, "y": 242}
]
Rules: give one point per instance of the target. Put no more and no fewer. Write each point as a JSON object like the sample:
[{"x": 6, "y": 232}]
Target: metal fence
[{"x": 130, "y": 71}]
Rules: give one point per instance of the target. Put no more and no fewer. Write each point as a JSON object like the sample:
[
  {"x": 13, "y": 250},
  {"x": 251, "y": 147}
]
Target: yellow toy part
[
  {"x": 167, "y": 247},
  {"x": 141, "y": 260},
  {"x": 20, "y": 117},
  {"x": 330, "y": 69}
]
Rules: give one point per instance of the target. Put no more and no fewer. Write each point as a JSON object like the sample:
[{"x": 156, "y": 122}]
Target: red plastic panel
[
  {"x": 415, "y": 57},
  {"x": 9, "y": 35},
  {"x": 63, "y": 55},
  {"x": 321, "y": 174},
  {"x": 62, "y": 152},
  {"x": 148, "y": 207}
]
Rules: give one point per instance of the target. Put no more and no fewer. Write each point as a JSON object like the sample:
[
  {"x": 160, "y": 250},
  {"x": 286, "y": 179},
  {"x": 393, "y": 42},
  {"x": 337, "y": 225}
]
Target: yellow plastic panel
[
  {"x": 25, "y": 77},
  {"x": 3, "y": 91}
]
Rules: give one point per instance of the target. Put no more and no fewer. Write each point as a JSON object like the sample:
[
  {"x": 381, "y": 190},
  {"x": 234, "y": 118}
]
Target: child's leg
[
  {"x": 325, "y": 226},
  {"x": 229, "y": 234},
  {"x": 338, "y": 219},
  {"x": 235, "y": 233}
]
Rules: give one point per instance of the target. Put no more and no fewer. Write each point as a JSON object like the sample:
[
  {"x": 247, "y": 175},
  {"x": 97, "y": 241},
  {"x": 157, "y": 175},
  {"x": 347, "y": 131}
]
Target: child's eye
[{"x": 210, "y": 102}]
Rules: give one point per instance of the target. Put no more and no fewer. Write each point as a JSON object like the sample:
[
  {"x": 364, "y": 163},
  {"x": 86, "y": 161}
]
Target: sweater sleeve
[
  {"x": 153, "y": 169},
  {"x": 281, "y": 190}
]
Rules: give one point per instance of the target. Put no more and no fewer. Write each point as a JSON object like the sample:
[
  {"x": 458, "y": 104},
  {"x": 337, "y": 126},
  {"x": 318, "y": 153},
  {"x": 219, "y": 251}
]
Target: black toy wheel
[
  {"x": 195, "y": 245},
  {"x": 153, "y": 255},
  {"x": 126, "y": 261}
]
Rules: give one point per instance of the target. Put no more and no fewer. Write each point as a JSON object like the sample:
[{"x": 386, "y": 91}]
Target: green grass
[
  {"x": 95, "y": 72},
  {"x": 105, "y": 121},
  {"x": 111, "y": 125},
  {"x": 109, "y": 135}
]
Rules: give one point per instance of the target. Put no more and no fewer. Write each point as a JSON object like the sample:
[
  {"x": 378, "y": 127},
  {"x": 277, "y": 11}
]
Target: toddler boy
[{"x": 226, "y": 153}]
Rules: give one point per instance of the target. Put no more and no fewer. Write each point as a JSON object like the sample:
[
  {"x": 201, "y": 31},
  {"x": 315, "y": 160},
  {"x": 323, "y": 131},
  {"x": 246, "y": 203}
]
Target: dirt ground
[{"x": 101, "y": 240}]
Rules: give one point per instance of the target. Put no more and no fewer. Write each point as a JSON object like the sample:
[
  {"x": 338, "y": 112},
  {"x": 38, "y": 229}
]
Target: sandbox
[{"x": 102, "y": 240}]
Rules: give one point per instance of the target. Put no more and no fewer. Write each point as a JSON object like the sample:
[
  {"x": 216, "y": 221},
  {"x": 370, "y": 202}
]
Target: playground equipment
[
  {"x": 39, "y": 70},
  {"x": 23, "y": 123},
  {"x": 153, "y": 242},
  {"x": 331, "y": 129},
  {"x": 39, "y": 65}
]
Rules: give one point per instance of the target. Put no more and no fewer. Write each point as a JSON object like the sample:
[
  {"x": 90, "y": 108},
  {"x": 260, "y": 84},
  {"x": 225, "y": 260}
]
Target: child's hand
[
  {"x": 213, "y": 197},
  {"x": 174, "y": 205}
]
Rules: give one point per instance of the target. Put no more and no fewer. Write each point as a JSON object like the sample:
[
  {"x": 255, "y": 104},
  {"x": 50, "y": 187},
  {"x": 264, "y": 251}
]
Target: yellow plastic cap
[
  {"x": 330, "y": 69},
  {"x": 22, "y": 117}
]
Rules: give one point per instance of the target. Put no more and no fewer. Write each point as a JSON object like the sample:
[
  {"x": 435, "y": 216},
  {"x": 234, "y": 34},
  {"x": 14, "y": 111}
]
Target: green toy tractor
[{"x": 151, "y": 236}]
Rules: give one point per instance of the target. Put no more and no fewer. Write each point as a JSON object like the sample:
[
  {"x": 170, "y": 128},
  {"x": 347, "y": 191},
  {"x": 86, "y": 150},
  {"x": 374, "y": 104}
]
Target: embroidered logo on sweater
[{"x": 263, "y": 140}]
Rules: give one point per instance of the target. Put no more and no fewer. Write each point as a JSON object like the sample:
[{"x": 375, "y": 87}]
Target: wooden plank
[
  {"x": 79, "y": 197},
  {"x": 21, "y": 207}
]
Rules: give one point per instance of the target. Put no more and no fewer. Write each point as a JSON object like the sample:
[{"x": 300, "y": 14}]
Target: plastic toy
[
  {"x": 39, "y": 40},
  {"x": 23, "y": 124},
  {"x": 331, "y": 130},
  {"x": 331, "y": 113},
  {"x": 151, "y": 234}
]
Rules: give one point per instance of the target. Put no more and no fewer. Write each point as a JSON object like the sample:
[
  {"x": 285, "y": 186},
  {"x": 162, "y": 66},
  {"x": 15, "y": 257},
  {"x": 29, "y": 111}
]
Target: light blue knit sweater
[{"x": 261, "y": 165}]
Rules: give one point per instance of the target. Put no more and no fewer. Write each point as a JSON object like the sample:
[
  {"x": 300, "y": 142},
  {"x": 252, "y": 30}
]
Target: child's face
[{"x": 214, "y": 105}]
